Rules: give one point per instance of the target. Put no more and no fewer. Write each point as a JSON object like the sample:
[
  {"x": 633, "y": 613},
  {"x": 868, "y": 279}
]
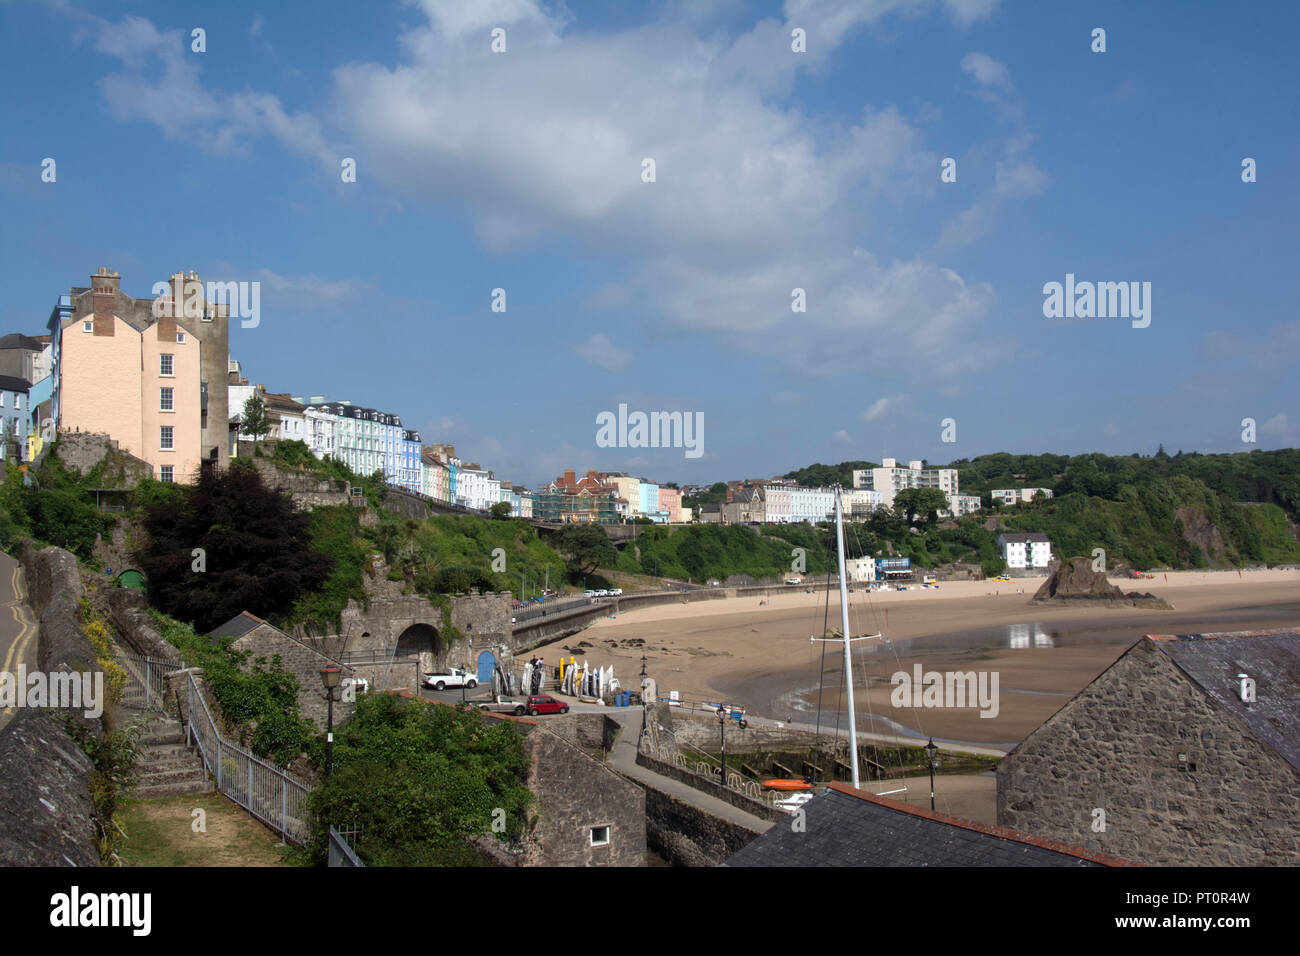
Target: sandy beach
[{"x": 760, "y": 656}]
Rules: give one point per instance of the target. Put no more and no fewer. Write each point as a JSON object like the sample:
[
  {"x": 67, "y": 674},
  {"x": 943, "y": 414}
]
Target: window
[
  {"x": 165, "y": 439},
  {"x": 600, "y": 836},
  {"x": 180, "y": 338},
  {"x": 2, "y": 399},
  {"x": 165, "y": 364},
  {"x": 165, "y": 473},
  {"x": 88, "y": 325},
  {"x": 18, "y": 401},
  {"x": 165, "y": 402}
]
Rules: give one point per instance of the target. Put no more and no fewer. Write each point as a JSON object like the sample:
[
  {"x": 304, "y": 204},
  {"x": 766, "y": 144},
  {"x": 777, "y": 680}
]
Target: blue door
[{"x": 487, "y": 662}]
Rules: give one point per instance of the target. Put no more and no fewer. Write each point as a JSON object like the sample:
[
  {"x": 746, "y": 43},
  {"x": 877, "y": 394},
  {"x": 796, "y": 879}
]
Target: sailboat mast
[{"x": 844, "y": 624}]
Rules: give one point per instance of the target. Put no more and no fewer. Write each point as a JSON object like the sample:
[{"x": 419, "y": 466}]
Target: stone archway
[{"x": 417, "y": 640}]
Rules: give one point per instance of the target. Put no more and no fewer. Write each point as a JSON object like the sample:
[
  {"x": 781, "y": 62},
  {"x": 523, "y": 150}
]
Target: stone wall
[
  {"x": 686, "y": 836},
  {"x": 82, "y": 451},
  {"x": 714, "y": 789},
  {"x": 48, "y": 817},
  {"x": 1115, "y": 747},
  {"x": 591, "y": 733},
  {"x": 305, "y": 663},
  {"x": 306, "y": 489},
  {"x": 126, "y": 609}
]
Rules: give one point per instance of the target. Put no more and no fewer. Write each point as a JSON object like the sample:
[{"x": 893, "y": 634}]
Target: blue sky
[{"x": 774, "y": 170}]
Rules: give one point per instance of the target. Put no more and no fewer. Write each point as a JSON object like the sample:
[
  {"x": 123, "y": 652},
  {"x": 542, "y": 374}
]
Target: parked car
[
  {"x": 506, "y": 705},
  {"x": 544, "y": 704},
  {"x": 453, "y": 677},
  {"x": 615, "y": 592},
  {"x": 793, "y": 580}
]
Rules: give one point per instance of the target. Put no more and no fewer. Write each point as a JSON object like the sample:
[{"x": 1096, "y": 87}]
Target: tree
[
  {"x": 256, "y": 553},
  {"x": 254, "y": 420},
  {"x": 587, "y": 547},
  {"x": 922, "y": 503},
  {"x": 422, "y": 781},
  {"x": 501, "y": 509}
]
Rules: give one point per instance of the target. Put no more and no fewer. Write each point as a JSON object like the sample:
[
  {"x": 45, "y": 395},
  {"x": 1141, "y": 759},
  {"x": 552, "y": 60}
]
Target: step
[
  {"x": 175, "y": 775},
  {"x": 166, "y": 763},
  {"x": 164, "y": 750},
  {"x": 152, "y": 791},
  {"x": 163, "y": 736}
]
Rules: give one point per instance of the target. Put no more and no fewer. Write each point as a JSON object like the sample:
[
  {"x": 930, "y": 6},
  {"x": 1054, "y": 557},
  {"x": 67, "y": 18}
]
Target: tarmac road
[{"x": 17, "y": 625}]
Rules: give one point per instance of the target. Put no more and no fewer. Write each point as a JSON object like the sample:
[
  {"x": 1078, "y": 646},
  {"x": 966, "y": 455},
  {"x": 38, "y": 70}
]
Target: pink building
[{"x": 670, "y": 500}]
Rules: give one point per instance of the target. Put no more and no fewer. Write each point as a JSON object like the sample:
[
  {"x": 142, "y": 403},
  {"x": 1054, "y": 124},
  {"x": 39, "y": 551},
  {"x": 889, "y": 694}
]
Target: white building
[
  {"x": 860, "y": 570},
  {"x": 811, "y": 504},
  {"x": 959, "y": 505},
  {"x": 776, "y": 499},
  {"x": 476, "y": 487},
  {"x": 1015, "y": 496},
  {"x": 889, "y": 479},
  {"x": 1025, "y": 550},
  {"x": 860, "y": 502}
]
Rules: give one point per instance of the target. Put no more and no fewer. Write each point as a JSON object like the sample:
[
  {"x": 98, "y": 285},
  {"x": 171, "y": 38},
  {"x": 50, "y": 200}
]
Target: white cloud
[
  {"x": 883, "y": 408},
  {"x": 842, "y": 437},
  {"x": 599, "y": 350},
  {"x": 986, "y": 71}
]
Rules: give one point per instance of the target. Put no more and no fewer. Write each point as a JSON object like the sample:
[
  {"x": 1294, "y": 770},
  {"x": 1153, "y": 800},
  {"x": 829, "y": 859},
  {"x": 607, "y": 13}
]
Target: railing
[
  {"x": 146, "y": 680},
  {"x": 265, "y": 791},
  {"x": 340, "y": 851}
]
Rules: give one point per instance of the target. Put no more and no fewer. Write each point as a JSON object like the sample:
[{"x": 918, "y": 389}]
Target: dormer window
[{"x": 88, "y": 325}]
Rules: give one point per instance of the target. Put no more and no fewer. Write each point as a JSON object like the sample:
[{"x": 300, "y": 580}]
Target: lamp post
[
  {"x": 329, "y": 676},
  {"x": 930, "y": 751},
  {"x": 722, "y": 728},
  {"x": 643, "y": 665}
]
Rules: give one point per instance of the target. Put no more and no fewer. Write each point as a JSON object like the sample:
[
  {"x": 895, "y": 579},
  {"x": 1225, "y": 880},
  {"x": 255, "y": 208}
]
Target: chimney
[
  {"x": 570, "y": 479},
  {"x": 105, "y": 284}
]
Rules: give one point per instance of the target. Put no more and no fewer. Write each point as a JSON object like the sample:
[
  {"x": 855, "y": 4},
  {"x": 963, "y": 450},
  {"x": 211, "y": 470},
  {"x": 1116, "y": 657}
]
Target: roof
[
  {"x": 12, "y": 383},
  {"x": 237, "y": 626},
  {"x": 16, "y": 340},
  {"x": 1023, "y": 537},
  {"x": 1270, "y": 658},
  {"x": 848, "y": 827}
]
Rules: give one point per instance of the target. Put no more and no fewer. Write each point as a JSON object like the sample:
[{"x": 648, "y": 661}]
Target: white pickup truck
[{"x": 452, "y": 677}]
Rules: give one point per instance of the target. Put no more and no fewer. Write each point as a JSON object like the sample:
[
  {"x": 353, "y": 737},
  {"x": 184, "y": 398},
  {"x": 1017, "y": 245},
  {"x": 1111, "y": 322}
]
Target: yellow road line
[{"x": 19, "y": 644}]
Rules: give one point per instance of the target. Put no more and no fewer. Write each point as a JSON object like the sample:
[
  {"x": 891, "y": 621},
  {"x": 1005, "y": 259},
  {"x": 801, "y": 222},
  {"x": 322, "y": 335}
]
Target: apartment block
[
  {"x": 139, "y": 371},
  {"x": 1017, "y": 496},
  {"x": 889, "y": 479}
]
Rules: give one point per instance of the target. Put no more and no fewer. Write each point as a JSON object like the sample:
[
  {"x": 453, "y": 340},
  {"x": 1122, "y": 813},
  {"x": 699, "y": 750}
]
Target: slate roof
[
  {"x": 1021, "y": 537},
  {"x": 847, "y": 827},
  {"x": 12, "y": 383},
  {"x": 237, "y": 626},
  {"x": 1271, "y": 658},
  {"x": 16, "y": 340}
]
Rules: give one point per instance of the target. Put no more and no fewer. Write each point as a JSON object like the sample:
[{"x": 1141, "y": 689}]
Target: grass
[{"x": 161, "y": 833}]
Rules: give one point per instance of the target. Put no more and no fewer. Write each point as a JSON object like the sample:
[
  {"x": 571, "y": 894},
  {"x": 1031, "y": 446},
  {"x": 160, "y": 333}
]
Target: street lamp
[
  {"x": 643, "y": 665},
  {"x": 930, "y": 751},
  {"x": 722, "y": 728},
  {"x": 329, "y": 676}
]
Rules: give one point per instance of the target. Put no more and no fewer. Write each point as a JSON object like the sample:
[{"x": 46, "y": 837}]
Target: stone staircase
[{"x": 166, "y": 766}]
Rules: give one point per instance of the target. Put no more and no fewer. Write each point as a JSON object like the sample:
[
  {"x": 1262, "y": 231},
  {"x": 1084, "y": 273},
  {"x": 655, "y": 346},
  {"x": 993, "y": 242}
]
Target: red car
[{"x": 543, "y": 704}]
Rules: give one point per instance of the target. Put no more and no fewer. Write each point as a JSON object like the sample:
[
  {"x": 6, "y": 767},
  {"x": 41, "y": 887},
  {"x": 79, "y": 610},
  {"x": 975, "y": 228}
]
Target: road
[{"x": 17, "y": 625}]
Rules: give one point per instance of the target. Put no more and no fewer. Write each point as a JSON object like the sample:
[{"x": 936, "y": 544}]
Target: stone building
[
  {"x": 253, "y": 634},
  {"x": 588, "y": 814},
  {"x": 1185, "y": 751}
]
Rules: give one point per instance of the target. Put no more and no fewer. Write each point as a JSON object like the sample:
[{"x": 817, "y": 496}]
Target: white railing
[{"x": 264, "y": 790}]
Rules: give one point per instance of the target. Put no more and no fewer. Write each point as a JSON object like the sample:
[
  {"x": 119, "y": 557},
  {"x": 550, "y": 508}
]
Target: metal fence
[
  {"x": 265, "y": 791},
  {"x": 341, "y": 852},
  {"x": 146, "y": 680}
]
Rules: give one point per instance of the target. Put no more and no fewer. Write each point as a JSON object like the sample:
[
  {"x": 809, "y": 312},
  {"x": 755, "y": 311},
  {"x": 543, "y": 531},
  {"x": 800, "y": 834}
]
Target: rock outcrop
[{"x": 1074, "y": 582}]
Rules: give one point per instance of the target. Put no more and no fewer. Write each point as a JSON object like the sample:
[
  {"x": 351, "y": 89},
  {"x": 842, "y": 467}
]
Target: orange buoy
[{"x": 787, "y": 784}]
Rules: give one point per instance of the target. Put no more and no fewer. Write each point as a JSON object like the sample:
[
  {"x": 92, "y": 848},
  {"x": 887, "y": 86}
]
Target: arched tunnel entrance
[{"x": 419, "y": 639}]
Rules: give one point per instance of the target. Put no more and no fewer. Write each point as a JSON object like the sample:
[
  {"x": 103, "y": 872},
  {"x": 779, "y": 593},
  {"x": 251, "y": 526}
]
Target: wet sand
[{"x": 761, "y": 656}]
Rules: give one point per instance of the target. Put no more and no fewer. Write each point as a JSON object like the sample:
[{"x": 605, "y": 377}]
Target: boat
[{"x": 787, "y": 785}]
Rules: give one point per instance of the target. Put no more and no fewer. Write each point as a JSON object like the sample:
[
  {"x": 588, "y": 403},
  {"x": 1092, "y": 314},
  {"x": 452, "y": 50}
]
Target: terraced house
[{"x": 142, "y": 378}]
